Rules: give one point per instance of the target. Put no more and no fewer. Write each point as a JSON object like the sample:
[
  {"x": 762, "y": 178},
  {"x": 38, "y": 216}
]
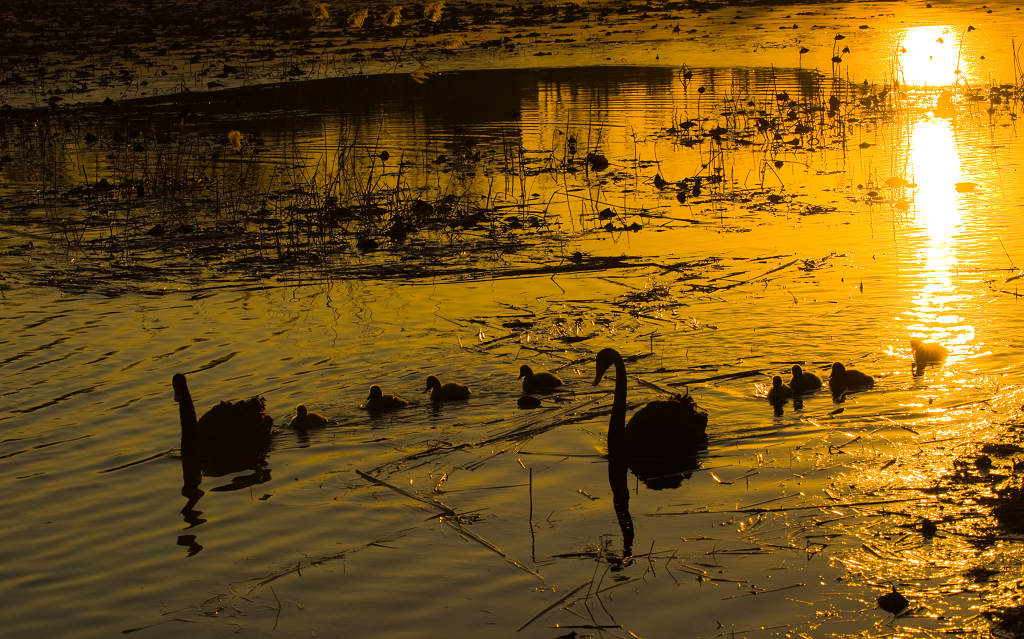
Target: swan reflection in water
[
  {"x": 660, "y": 444},
  {"x": 230, "y": 438},
  {"x": 663, "y": 473}
]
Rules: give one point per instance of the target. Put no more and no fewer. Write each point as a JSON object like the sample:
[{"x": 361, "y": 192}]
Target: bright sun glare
[{"x": 929, "y": 55}]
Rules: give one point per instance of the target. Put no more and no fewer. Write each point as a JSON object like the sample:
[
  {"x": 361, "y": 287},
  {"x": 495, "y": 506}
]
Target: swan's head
[
  {"x": 525, "y": 371},
  {"x": 838, "y": 369},
  {"x": 776, "y": 382},
  {"x": 797, "y": 371},
  {"x": 433, "y": 382},
  {"x": 915, "y": 343},
  {"x": 605, "y": 358},
  {"x": 375, "y": 393},
  {"x": 180, "y": 387},
  {"x": 300, "y": 411}
]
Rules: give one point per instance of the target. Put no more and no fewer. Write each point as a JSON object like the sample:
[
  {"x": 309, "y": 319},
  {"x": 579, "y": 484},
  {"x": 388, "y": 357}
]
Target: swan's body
[
  {"x": 779, "y": 392},
  {"x": 803, "y": 382},
  {"x": 228, "y": 437},
  {"x": 305, "y": 420},
  {"x": 378, "y": 402},
  {"x": 542, "y": 382},
  {"x": 842, "y": 380},
  {"x": 446, "y": 392},
  {"x": 662, "y": 437},
  {"x": 928, "y": 353}
]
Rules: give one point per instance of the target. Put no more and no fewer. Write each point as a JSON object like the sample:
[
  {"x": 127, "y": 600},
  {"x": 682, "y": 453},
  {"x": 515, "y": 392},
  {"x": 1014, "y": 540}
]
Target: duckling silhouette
[
  {"x": 803, "y": 382},
  {"x": 542, "y": 382},
  {"x": 779, "y": 392},
  {"x": 843, "y": 380},
  {"x": 229, "y": 437},
  {"x": 928, "y": 352},
  {"x": 378, "y": 402},
  {"x": 661, "y": 440},
  {"x": 305, "y": 420},
  {"x": 447, "y": 392}
]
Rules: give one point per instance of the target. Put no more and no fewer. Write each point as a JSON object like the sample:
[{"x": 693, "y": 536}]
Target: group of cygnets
[
  {"x": 843, "y": 380},
  {"x": 377, "y": 402}
]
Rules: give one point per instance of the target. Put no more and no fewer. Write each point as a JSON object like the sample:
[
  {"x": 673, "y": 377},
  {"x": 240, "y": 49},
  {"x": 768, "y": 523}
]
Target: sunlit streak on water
[{"x": 936, "y": 166}]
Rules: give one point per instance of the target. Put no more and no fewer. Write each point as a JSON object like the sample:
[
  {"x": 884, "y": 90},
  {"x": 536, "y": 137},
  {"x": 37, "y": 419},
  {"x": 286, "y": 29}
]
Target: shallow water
[{"x": 792, "y": 524}]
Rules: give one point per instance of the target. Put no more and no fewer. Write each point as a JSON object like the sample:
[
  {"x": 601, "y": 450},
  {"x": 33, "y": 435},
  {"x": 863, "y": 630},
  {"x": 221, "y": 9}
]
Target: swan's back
[
  {"x": 239, "y": 428},
  {"x": 666, "y": 427}
]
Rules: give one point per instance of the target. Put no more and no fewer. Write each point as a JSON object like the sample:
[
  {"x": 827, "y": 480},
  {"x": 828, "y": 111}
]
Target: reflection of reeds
[
  {"x": 433, "y": 10},
  {"x": 321, "y": 12},
  {"x": 393, "y": 16},
  {"x": 356, "y": 19}
]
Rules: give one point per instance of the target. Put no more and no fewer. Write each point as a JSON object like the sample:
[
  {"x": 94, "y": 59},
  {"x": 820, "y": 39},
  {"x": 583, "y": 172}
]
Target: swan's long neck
[
  {"x": 617, "y": 423},
  {"x": 189, "y": 423}
]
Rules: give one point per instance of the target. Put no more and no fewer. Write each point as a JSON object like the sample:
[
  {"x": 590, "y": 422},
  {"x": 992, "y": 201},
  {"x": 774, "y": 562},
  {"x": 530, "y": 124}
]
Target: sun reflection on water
[
  {"x": 929, "y": 55},
  {"x": 936, "y": 165}
]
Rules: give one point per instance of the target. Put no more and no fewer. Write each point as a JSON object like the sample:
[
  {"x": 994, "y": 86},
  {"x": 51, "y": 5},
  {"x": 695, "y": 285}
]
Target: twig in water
[
  {"x": 277, "y": 616},
  {"x": 560, "y": 601}
]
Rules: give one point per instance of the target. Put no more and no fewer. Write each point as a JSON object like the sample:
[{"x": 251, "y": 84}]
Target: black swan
[
  {"x": 661, "y": 440},
  {"x": 447, "y": 392},
  {"x": 803, "y": 382},
  {"x": 231, "y": 436},
  {"x": 843, "y": 380},
  {"x": 305, "y": 420},
  {"x": 378, "y": 402},
  {"x": 542, "y": 382},
  {"x": 928, "y": 353}
]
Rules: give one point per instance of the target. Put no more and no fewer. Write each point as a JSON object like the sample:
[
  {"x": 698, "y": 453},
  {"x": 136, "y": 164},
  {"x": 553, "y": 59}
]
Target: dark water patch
[
  {"x": 44, "y": 445},
  {"x": 135, "y": 462},
  {"x": 57, "y": 400},
  {"x": 36, "y": 349}
]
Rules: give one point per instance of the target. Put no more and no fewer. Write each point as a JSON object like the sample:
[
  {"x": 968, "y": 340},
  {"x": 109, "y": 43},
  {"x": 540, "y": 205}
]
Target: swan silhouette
[
  {"x": 661, "y": 440},
  {"x": 378, "y": 402},
  {"x": 542, "y": 382},
  {"x": 446, "y": 392},
  {"x": 229, "y": 437}
]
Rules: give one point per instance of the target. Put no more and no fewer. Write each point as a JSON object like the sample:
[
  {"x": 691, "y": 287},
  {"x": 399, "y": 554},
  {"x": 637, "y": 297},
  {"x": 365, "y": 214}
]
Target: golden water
[{"x": 96, "y": 544}]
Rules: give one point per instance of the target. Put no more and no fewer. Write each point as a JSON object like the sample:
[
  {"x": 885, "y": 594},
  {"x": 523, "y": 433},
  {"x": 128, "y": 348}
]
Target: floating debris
[{"x": 893, "y": 602}]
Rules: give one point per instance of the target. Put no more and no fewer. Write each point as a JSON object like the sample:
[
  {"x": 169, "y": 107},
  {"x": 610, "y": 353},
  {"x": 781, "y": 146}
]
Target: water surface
[{"x": 792, "y": 523}]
